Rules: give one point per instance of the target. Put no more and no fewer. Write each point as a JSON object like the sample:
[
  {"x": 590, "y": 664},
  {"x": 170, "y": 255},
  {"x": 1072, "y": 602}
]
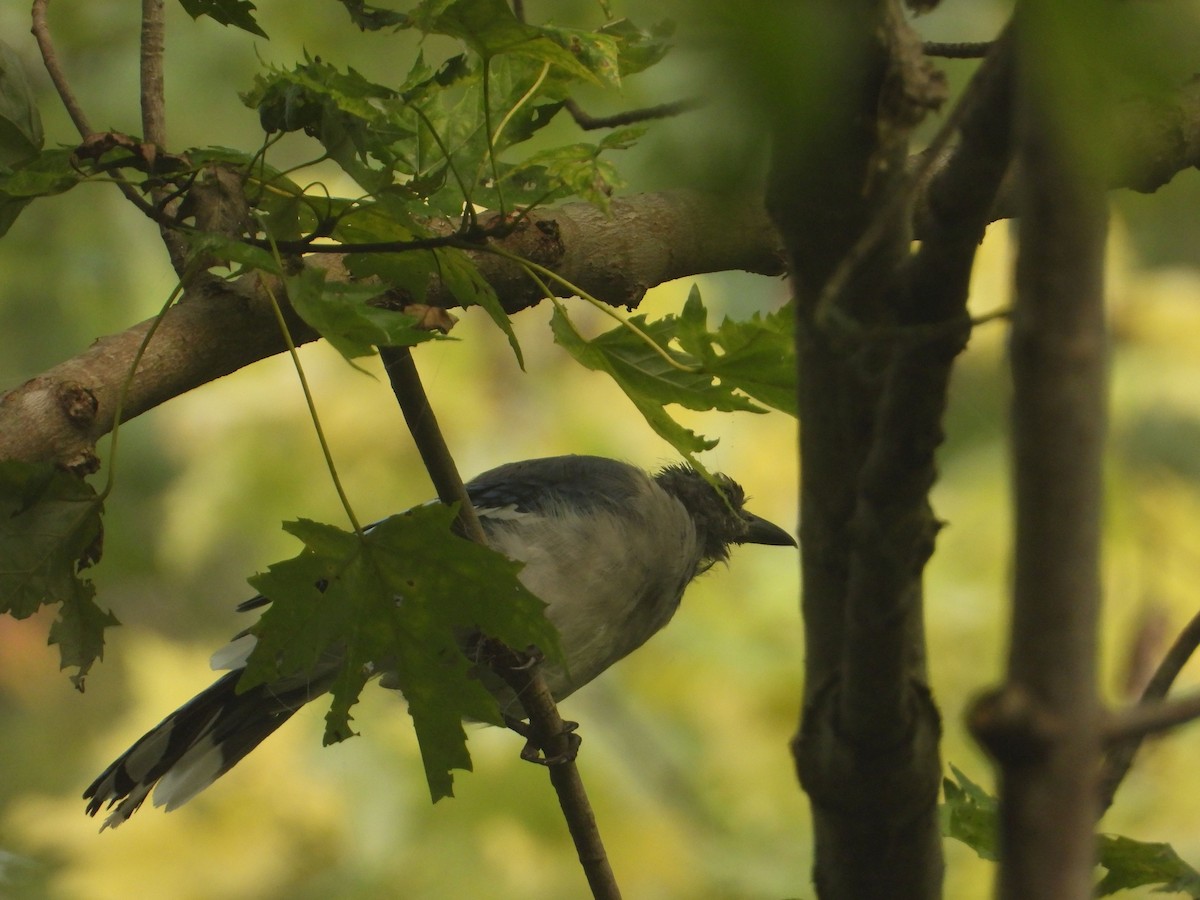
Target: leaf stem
[
  {"x": 127, "y": 383},
  {"x": 487, "y": 123},
  {"x": 286, "y": 333},
  {"x": 535, "y": 269},
  {"x": 516, "y": 106}
]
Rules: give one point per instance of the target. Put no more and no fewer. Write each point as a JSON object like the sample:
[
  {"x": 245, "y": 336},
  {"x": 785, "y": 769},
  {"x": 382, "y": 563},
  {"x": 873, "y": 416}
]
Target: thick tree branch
[
  {"x": 218, "y": 329},
  {"x": 866, "y": 752},
  {"x": 649, "y": 239}
]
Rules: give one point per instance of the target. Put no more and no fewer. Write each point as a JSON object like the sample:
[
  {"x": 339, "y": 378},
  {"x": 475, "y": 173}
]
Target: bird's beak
[{"x": 760, "y": 531}]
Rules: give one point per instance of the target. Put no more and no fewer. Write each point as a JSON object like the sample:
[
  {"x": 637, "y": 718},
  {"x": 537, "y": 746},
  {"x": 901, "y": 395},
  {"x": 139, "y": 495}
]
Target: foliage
[
  {"x": 968, "y": 814},
  {"x": 239, "y": 13},
  {"x": 454, "y": 155},
  {"x": 21, "y": 135},
  {"x": 50, "y": 530},
  {"x": 400, "y": 592},
  {"x": 718, "y": 370}
]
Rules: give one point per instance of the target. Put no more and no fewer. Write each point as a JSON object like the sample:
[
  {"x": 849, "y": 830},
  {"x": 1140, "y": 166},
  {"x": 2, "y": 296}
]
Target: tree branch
[
  {"x": 154, "y": 120},
  {"x": 1138, "y": 722},
  {"x": 559, "y": 744},
  {"x": 523, "y": 674},
  {"x": 154, "y": 116},
  {"x": 867, "y": 749},
  {"x": 427, "y": 435},
  {"x": 219, "y": 328},
  {"x": 629, "y": 117},
  {"x": 1128, "y": 728},
  {"x": 648, "y": 239},
  {"x": 1059, "y": 351},
  {"x": 41, "y": 33}
]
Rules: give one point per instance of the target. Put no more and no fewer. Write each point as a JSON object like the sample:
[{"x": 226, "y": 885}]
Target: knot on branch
[
  {"x": 1012, "y": 726},
  {"x": 858, "y": 777}
]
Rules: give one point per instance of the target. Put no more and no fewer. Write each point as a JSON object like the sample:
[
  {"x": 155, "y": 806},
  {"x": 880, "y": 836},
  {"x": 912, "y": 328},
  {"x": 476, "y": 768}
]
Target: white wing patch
[{"x": 234, "y": 654}]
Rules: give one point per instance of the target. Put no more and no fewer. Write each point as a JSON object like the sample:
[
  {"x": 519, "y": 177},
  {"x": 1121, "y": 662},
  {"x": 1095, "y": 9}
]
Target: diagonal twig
[
  {"x": 41, "y": 33},
  {"x": 546, "y": 725},
  {"x": 629, "y": 117},
  {"x": 1129, "y": 728}
]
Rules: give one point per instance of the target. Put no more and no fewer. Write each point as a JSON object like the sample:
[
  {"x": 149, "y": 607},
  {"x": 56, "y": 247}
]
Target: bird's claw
[{"x": 533, "y": 750}]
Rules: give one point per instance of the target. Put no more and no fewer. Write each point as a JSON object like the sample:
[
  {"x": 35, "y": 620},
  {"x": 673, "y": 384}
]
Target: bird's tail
[{"x": 195, "y": 745}]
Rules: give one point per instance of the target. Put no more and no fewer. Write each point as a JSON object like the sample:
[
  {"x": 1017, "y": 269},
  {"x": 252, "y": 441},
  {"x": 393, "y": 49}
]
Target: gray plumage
[{"x": 609, "y": 548}]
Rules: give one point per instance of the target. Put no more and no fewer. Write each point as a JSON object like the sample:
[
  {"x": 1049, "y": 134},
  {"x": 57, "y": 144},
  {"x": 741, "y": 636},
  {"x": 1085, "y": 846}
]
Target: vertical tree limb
[
  {"x": 866, "y": 752},
  {"x": 154, "y": 116},
  {"x": 1049, "y": 791}
]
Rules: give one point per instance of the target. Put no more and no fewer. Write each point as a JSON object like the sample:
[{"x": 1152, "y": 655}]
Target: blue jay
[{"x": 608, "y": 548}]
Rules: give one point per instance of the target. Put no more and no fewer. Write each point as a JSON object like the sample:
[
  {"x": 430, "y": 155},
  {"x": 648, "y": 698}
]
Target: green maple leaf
[
  {"x": 398, "y": 598},
  {"x": 50, "y": 529},
  {"x": 719, "y": 370}
]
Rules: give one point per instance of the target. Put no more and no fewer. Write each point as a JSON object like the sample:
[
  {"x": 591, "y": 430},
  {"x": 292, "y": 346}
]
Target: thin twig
[
  {"x": 958, "y": 49},
  {"x": 629, "y": 117},
  {"x": 829, "y": 303},
  {"x": 154, "y": 120},
  {"x": 558, "y": 743},
  {"x": 1129, "y": 728},
  {"x": 418, "y": 414},
  {"x": 41, "y": 33},
  {"x": 1138, "y": 722},
  {"x": 547, "y": 727}
]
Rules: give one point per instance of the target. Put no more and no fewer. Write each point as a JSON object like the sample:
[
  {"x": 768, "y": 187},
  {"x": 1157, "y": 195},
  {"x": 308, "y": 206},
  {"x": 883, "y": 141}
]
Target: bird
[{"x": 609, "y": 548}]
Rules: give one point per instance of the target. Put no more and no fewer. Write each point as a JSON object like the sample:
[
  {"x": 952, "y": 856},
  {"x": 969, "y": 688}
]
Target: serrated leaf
[
  {"x": 650, "y": 381},
  {"x": 1132, "y": 864},
  {"x": 373, "y": 18},
  {"x": 398, "y": 597},
  {"x": 638, "y": 50},
  {"x": 756, "y": 356},
  {"x": 238, "y": 13},
  {"x": 342, "y": 314},
  {"x": 576, "y": 169},
  {"x": 357, "y": 120},
  {"x": 645, "y": 377},
  {"x": 490, "y": 29},
  {"x": 219, "y": 248},
  {"x": 462, "y": 278},
  {"x": 79, "y": 632},
  {"x": 21, "y": 136},
  {"x": 968, "y": 814},
  {"x": 47, "y": 173},
  {"x": 50, "y": 529}
]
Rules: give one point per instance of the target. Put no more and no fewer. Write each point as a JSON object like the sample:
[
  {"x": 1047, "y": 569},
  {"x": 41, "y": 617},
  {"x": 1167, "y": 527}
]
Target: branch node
[{"x": 1012, "y": 726}]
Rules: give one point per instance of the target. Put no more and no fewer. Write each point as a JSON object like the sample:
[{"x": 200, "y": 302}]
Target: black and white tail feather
[{"x": 609, "y": 549}]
